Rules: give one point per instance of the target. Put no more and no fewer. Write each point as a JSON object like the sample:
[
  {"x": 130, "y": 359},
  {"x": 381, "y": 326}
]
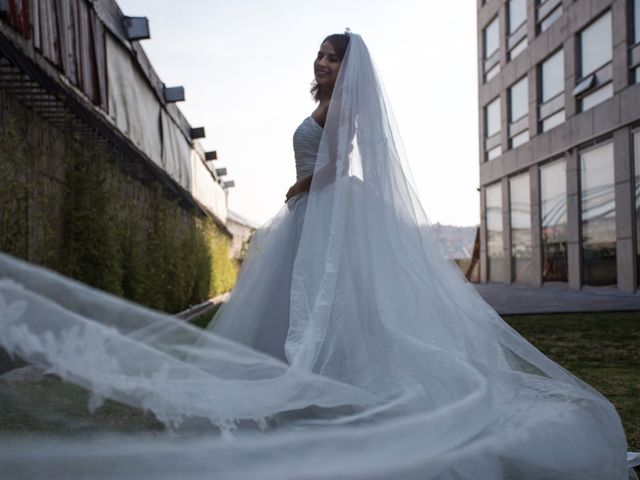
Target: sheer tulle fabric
[{"x": 350, "y": 348}]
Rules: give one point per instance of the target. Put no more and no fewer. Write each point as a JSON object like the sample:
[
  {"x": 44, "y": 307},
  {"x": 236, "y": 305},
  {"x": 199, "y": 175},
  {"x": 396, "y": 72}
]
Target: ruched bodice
[{"x": 306, "y": 141}]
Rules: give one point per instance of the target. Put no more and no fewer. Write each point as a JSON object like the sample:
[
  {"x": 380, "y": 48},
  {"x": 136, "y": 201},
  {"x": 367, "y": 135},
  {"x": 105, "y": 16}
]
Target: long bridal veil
[{"x": 394, "y": 367}]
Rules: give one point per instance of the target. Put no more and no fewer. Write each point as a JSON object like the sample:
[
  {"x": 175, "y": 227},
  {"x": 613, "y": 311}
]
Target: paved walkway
[{"x": 520, "y": 299}]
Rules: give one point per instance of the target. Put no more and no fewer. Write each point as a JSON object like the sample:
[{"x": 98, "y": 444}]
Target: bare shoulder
[{"x": 320, "y": 114}]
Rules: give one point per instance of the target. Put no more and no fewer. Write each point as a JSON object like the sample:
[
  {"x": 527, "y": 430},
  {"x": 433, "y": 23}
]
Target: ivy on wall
[
  {"x": 92, "y": 239},
  {"x": 13, "y": 192},
  {"x": 68, "y": 206}
]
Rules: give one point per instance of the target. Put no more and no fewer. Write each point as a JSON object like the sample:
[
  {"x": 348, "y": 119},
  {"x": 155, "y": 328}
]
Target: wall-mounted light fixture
[
  {"x": 197, "y": 133},
  {"x": 212, "y": 155},
  {"x": 221, "y": 172},
  {"x": 136, "y": 28},
  {"x": 228, "y": 184},
  {"x": 173, "y": 94}
]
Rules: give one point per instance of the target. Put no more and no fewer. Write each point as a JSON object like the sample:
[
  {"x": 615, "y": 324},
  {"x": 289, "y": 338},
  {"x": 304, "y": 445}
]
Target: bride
[{"x": 349, "y": 348}]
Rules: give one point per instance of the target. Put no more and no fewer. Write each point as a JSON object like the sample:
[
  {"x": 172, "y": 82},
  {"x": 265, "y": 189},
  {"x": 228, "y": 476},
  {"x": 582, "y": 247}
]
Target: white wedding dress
[
  {"x": 349, "y": 348},
  {"x": 263, "y": 323}
]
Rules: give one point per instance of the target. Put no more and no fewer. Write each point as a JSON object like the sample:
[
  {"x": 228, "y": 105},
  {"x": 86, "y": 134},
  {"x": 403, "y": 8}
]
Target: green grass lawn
[
  {"x": 60, "y": 408},
  {"x": 603, "y": 349}
]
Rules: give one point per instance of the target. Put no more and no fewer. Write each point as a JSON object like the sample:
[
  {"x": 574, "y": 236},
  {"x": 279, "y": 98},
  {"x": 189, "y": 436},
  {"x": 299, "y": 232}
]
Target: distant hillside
[{"x": 456, "y": 241}]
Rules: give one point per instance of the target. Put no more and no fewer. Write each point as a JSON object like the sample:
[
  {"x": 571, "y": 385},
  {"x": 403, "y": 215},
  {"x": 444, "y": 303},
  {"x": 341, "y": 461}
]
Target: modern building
[{"x": 559, "y": 104}]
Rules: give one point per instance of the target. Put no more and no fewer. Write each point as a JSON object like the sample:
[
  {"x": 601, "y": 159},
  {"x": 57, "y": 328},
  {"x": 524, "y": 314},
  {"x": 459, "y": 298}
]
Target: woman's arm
[
  {"x": 300, "y": 186},
  {"x": 327, "y": 173}
]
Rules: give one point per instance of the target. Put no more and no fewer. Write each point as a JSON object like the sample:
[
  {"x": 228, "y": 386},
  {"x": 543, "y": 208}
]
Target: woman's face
[{"x": 326, "y": 66}]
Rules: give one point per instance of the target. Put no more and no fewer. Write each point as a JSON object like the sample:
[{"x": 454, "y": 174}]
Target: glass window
[
  {"x": 519, "y": 100},
  {"x": 494, "y": 153},
  {"x": 595, "y": 45},
  {"x": 491, "y": 38},
  {"x": 495, "y": 251},
  {"x": 520, "y": 212},
  {"x": 520, "y": 139},
  {"x": 492, "y": 117},
  {"x": 492, "y": 72},
  {"x": 553, "y": 121},
  {"x": 598, "y": 215},
  {"x": 597, "y": 96},
  {"x": 552, "y": 76},
  {"x": 553, "y": 211},
  {"x": 636, "y": 21},
  {"x": 517, "y": 14},
  {"x": 550, "y": 19},
  {"x": 518, "y": 49},
  {"x": 518, "y": 109},
  {"x": 636, "y": 165}
]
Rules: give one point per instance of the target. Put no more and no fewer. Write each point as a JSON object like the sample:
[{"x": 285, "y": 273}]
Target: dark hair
[{"x": 339, "y": 42}]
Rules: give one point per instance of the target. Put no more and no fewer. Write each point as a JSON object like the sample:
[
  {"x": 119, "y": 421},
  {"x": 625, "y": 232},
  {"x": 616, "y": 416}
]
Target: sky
[{"x": 247, "y": 66}]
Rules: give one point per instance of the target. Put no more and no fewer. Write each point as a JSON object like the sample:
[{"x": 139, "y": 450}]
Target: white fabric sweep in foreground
[{"x": 350, "y": 348}]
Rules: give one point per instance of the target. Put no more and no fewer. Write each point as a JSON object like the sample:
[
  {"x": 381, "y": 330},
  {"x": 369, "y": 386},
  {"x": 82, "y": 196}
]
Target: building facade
[{"x": 559, "y": 105}]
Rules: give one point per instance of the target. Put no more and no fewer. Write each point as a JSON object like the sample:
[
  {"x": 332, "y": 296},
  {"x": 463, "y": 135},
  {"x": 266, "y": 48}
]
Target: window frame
[
  {"x": 517, "y": 127},
  {"x": 547, "y": 13},
  {"x": 633, "y": 14},
  {"x": 541, "y": 199},
  {"x": 520, "y": 176},
  {"x": 581, "y": 152},
  {"x": 635, "y": 162},
  {"x": 485, "y": 54},
  {"x": 492, "y": 140},
  {"x": 511, "y": 29},
  {"x": 517, "y": 41},
  {"x": 500, "y": 277},
  {"x": 590, "y": 85},
  {"x": 490, "y": 60},
  {"x": 555, "y": 104}
]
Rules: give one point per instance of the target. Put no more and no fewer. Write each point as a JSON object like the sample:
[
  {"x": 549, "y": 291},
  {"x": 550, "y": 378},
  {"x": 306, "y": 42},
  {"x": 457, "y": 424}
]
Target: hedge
[{"x": 70, "y": 206}]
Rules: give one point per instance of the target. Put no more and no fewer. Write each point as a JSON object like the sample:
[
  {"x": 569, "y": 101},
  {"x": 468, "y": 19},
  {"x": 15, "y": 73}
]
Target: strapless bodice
[{"x": 306, "y": 141}]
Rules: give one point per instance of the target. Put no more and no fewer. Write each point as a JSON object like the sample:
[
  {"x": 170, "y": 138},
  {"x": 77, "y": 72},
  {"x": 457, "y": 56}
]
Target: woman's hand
[{"x": 301, "y": 186}]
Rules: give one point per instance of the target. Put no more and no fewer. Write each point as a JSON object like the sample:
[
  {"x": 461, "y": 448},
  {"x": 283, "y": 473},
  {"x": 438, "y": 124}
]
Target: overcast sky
[{"x": 246, "y": 66}]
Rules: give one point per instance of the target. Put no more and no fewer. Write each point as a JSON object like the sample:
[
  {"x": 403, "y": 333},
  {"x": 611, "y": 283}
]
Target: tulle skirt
[{"x": 257, "y": 311}]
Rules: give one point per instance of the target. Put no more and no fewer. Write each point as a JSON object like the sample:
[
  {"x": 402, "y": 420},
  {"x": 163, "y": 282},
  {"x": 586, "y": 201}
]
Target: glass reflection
[
  {"x": 552, "y": 76},
  {"x": 517, "y": 14},
  {"x": 491, "y": 38},
  {"x": 636, "y": 21},
  {"x": 495, "y": 251},
  {"x": 596, "y": 45},
  {"x": 519, "y": 100},
  {"x": 636, "y": 165},
  {"x": 553, "y": 210},
  {"x": 493, "y": 117},
  {"x": 598, "y": 216},
  {"x": 550, "y": 19},
  {"x": 520, "y": 211}
]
